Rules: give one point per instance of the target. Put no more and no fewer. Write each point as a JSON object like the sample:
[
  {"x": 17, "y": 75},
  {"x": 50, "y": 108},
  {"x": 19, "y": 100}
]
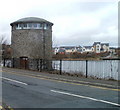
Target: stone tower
[{"x": 31, "y": 39}]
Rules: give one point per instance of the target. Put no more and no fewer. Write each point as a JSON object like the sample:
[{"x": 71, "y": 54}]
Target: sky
[{"x": 76, "y": 22}]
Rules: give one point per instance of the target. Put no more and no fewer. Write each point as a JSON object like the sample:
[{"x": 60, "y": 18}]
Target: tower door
[{"x": 24, "y": 62}]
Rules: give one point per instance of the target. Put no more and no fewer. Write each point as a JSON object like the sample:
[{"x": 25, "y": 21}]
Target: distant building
[
  {"x": 69, "y": 49},
  {"x": 61, "y": 51},
  {"x": 87, "y": 49},
  {"x": 101, "y": 47},
  {"x": 56, "y": 50},
  {"x": 104, "y": 47},
  {"x": 112, "y": 50},
  {"x": 31, "y": 39},
  {"x": 97, "y": 47}
]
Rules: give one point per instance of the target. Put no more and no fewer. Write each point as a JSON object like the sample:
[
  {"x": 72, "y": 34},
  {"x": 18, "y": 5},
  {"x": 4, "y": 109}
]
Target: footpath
[{"x": 68, "y": 78}]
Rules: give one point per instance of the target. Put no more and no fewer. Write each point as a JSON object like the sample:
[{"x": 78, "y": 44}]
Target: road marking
[
  {"x": 109, "y": 85},
  {"x": 90, "y": 98},
  {"x": 14, "y": 81},
  {"x": 68, "y": 79},
  {"x": 1, "y": 107},
  {"x": 28, "y": 75}
]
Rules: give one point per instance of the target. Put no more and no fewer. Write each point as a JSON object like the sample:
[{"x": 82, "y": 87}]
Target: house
[
  {"x": 55, "y": 50},
  {"x": 69, "y": 49},
  {"x": 97, "y": 47},
  {"x": 101, "y": 47},
  {"x": 87, "y": 49},
  {"x": 104, "y": 47},
  {"x": 112, "y": 51},
  {"x": 61, "y": 51}
]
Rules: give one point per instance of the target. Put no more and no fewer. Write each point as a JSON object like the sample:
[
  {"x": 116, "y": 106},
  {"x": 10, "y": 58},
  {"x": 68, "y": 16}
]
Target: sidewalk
[{"x": 74, "y": 79}]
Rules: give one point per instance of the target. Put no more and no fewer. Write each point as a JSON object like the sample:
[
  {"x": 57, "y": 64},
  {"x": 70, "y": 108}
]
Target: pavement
[
  {"x": 70, "y": 78},
  {"x": 33, "y": 89}
]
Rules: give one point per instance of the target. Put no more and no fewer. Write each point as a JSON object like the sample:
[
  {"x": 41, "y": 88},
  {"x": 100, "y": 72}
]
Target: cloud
[{"x": 75, "y": 22}]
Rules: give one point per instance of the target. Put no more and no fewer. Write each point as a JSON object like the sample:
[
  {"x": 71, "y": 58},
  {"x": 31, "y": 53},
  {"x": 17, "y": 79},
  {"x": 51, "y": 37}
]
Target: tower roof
[{"x": 31, "y": 20}]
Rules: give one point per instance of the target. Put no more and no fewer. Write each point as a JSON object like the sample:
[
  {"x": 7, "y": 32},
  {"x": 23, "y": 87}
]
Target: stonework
[{"x": 32, "y": 43}]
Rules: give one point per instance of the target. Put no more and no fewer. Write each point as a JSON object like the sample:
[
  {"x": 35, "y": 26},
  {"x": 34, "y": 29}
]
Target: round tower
[{"x": 31, "y": 38}]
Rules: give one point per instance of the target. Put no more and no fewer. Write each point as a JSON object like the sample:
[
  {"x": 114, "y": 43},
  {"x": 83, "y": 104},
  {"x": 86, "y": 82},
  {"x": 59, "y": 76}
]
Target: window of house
[
  {"x": 97, "y": 46},
  {"x": 83, "y": 49}
]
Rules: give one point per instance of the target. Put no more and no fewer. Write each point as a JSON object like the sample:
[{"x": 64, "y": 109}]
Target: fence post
[
  {"x": 40, "y": 65},
  {"x": 13, "y": 62},
  {"x": 4, "y": 62},
  {"x": 86, "y": 68},
  {"x": 37, "y": 64},
  {"x": 60, "y": 67}
]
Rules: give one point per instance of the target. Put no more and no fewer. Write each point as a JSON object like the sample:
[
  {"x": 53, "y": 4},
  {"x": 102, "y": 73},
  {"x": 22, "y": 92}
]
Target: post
[
  {"x": 4, "y": 62},
  {"x": 40, "y": 65},
  {"x": 86, "y": 68},
  {"x": 13, "y": 62},
  {"x": 37, "y": 64},
  {"x": 60, "y": 67}
]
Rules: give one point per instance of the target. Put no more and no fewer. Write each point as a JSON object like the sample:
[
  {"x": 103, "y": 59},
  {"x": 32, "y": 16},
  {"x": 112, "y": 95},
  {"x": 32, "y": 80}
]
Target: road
[{"x": 28, "y": 89}]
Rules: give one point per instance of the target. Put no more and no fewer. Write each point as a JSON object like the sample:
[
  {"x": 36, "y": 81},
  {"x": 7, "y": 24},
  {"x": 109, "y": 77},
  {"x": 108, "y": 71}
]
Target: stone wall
[{"x": 30, "y": 43}]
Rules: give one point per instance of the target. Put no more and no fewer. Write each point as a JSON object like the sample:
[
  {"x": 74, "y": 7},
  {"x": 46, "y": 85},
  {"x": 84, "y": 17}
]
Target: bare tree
[
  {"x": 3, "y": 39},
  {"x": 54, "y": 41}
]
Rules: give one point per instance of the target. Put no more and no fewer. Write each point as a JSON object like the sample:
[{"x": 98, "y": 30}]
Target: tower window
[
  {"x": 35, "y": 25},
  {"x": 24, "y": 26},
  {"x": 39, "y": 26},
  {"x": 19, "y": 26},
  {"x": 45, "y": 26},
  {"x": 29, "y": 26}
]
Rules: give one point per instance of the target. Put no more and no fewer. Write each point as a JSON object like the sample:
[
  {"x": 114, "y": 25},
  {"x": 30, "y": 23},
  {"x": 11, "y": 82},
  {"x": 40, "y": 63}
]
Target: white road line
[
  {"x": 1, "y": 107},
  {"x": 14, "y": 81},
  {"x": 98, "y": 100}
]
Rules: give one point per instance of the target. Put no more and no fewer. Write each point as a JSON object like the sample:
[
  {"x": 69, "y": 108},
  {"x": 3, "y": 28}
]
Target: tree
[{"x": 3, "y": 39}]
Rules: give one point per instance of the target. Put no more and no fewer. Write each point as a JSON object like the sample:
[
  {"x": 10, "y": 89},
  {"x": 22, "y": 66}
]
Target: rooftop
[{"x": 31, "y": 20}]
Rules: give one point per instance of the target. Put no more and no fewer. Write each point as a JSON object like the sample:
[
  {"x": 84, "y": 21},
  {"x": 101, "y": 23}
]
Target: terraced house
[{"x": 97, "y": 47}]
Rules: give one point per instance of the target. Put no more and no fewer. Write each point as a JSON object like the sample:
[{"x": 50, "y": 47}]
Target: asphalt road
[{"x": 21, "y": 89}]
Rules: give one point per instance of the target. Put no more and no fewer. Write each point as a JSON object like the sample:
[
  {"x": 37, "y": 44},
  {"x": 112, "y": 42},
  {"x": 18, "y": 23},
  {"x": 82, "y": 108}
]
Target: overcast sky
[{"x": 76, "y": 22}]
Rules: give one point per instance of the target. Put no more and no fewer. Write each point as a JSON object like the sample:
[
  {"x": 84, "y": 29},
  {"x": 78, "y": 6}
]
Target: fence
[
  {"x": 105, "y": 69},
  {"x": 25, "y": 63}
]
